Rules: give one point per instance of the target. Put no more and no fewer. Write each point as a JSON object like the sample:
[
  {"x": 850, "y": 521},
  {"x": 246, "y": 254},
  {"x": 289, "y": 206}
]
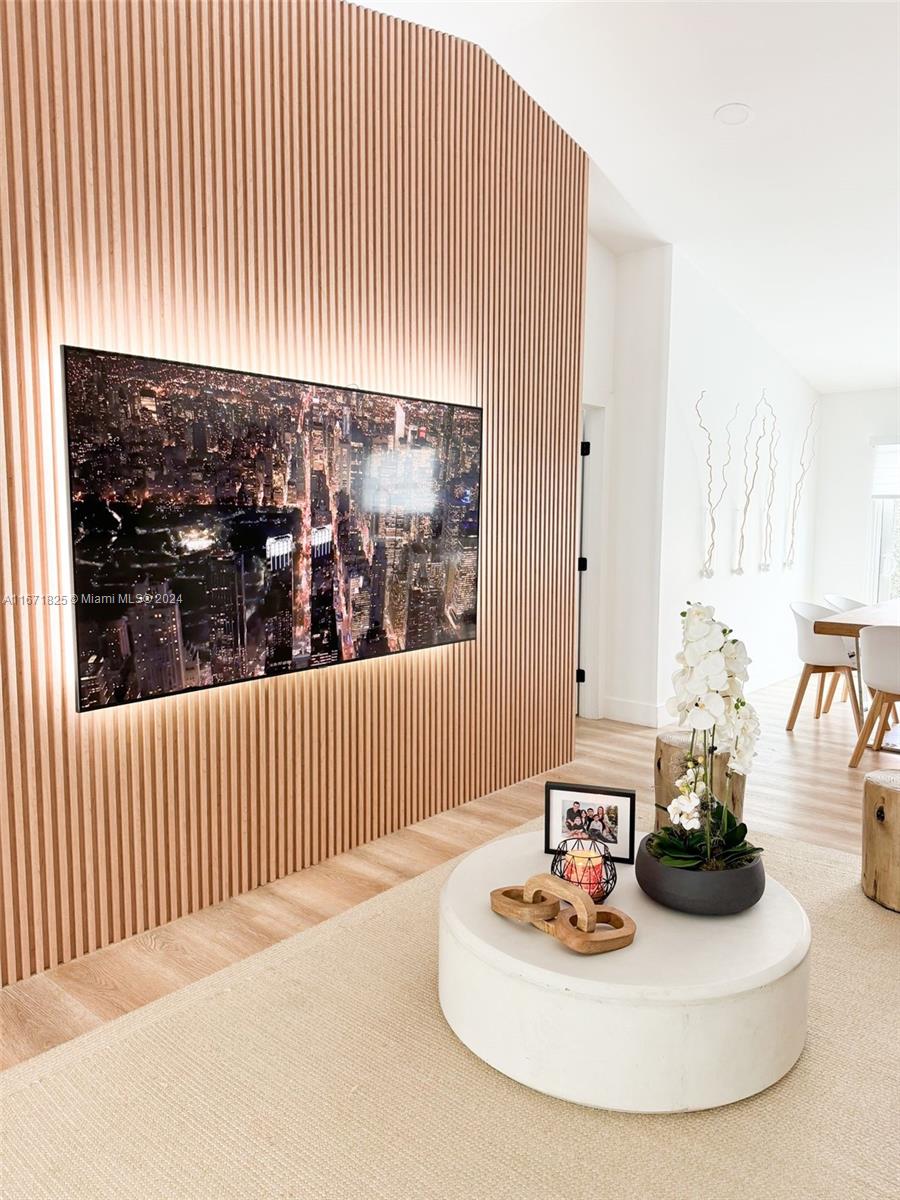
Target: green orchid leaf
[
  {"x": 664, "y": 838},
  {"x": 736, "y": 835},
  {"x": 739, "y": 855}
]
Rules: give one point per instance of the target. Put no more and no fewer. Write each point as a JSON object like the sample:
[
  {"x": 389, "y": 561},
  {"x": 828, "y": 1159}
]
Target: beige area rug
[{"x": 322, "y": 1069}]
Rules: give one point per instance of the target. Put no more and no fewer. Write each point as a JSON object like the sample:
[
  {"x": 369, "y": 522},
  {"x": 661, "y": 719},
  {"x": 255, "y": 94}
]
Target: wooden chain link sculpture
[{"x": 573, "y": 922}]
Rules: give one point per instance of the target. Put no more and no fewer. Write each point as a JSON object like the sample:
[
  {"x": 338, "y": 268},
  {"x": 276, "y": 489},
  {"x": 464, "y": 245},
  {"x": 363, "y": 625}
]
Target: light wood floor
[{"x": 801, "y": 787}]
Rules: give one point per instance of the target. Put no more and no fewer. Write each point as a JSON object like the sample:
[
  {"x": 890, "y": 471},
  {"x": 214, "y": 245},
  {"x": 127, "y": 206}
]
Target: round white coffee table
[{"x": 697, "y": 1012}]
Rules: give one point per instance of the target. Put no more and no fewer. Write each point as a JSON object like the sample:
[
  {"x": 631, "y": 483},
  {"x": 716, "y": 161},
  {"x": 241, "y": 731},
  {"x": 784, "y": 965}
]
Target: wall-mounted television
[{"x": 228, "y": 526}]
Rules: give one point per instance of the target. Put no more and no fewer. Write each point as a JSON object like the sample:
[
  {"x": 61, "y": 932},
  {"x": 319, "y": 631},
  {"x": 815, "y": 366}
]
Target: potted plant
[{"x": 702, "y": 862}]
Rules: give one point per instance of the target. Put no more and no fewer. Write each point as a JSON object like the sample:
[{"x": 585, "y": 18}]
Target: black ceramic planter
[{"x": 706, "y": 893}]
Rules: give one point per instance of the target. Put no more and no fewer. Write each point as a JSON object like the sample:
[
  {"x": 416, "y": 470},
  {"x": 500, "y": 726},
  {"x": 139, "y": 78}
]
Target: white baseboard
[
  {"x": 656, "y": 716},
  {"x": 635, "y": 712}
]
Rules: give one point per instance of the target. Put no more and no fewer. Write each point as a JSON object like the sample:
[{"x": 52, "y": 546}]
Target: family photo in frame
[{"x": 600, "y": 814}]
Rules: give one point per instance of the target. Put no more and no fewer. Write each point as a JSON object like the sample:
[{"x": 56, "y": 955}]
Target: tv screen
[{"x": 229, "y": 526}]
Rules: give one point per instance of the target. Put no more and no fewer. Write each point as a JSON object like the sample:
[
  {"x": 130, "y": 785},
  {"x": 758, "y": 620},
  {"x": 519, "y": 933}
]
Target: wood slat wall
[{"x": 304, "y": 189}]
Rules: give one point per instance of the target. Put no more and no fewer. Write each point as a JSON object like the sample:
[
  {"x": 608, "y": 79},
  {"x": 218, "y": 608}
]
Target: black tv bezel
[{"x": 67, "y": 348}]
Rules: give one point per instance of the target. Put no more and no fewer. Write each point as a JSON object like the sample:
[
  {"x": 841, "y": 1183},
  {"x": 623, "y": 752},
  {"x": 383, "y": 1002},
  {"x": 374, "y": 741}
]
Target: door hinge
[
  {"x": 585, "y": 449},
  {"x": 582, "y": 563},
  {"x": 579, "y": 675}
]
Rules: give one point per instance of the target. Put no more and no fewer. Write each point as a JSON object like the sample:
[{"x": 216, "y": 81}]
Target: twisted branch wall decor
[
  {"x": 774, "y": 438},
  {"x": 706, "y": 570},
  {"x": 750, "y": 473},
  {"x": 805, "y": 464}
]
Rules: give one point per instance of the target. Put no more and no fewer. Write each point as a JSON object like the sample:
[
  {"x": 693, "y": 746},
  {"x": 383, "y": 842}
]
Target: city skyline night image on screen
[{"x": 229, "y": 526}]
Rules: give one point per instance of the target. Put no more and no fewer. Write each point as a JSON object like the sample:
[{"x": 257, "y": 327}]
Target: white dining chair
[
  {"x": 842, "y": 604},
  {"x": 879, "y": 652},
  {"x": 821, "y": 654}
]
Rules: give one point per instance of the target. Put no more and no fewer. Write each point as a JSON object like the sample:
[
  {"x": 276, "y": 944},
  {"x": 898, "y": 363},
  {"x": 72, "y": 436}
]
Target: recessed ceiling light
[{"x": 733, "y": 114}]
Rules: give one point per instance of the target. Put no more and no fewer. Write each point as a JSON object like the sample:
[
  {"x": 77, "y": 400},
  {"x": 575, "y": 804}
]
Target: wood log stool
[
  {"x": 881, "y": 838},
  {"x": 672, "y": 749}
]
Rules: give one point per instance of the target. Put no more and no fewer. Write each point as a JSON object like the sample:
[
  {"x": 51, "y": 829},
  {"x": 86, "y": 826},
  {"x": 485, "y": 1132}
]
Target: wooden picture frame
[{"x": 617, "y": 831}]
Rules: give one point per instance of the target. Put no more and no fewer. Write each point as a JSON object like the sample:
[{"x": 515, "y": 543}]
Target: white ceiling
[{"x": 793, "y": 216}]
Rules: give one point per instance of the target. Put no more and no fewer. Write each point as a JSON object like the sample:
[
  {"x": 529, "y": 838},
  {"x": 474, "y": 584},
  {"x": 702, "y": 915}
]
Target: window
[{"x": 884, "y": 538}]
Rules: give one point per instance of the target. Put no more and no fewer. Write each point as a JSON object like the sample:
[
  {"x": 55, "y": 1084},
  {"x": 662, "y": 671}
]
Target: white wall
[
  {"x": 597, "y": 399},
  {"x": 624, "y": 396},
  {"x": 713, "y": 346},
  {"x": 636, "y": 433},
  {"x": 851, "y": 424},
  {"x": 657, "y": 333},
  {"x": 599, "y": 324}
]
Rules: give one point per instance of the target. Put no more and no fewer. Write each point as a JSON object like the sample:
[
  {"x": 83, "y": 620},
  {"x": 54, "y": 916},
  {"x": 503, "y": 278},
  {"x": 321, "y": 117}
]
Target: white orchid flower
[
  {"x": 713, "y": 663},
  {"x": 746, "y": 732},
  {"x": 696, "y": 685},
  {"x": 708, "y": 710},
  {"x": 709, "y": 694},
  {"x": 707, "y": 676},
  {"x": 747, "y": 720},
  {"x": 736, "y": 659},
  {"x": 695, "y": 787},
  {"x": 685, "y": 811},
  {"x": 741, "y": 759},
  {"x": 678, "y": 704},
  {"x": 680, "y": 678},
  {"x": 711, "y": 682},
  {"x": 697, "y": 620},
  {"x": 711, "y": 641},
  {"x": 739, "y": 765}
]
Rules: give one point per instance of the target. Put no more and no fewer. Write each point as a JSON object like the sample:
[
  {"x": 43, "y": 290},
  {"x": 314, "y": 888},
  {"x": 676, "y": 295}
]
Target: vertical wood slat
[{"x": 304, "y": 189}]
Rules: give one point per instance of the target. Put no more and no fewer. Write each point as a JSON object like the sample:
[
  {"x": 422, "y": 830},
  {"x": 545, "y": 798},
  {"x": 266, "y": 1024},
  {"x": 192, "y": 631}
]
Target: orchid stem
[
  {"x": 707, "y": 759},
  {"x": 727, "y": 805}
]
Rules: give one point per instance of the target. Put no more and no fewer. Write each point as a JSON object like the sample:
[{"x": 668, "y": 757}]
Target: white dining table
[{"x": 849, "y": 624}]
